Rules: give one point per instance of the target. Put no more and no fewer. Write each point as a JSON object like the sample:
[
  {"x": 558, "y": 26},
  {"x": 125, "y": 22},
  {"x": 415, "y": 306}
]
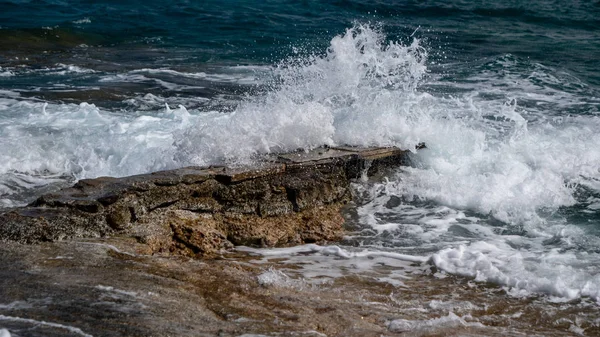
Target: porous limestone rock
[{"x": 292, "y": 198}]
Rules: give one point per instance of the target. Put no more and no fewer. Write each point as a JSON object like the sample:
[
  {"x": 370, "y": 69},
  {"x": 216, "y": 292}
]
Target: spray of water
[{"x": 361, "y": 91}]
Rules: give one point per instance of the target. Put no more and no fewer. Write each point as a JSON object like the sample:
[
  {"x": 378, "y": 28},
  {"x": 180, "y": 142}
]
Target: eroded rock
[{"x": 292, "y": 199}]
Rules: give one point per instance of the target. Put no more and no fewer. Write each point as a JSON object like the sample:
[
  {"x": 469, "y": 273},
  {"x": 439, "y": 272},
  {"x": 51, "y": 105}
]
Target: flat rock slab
[
  {"x": 233, "y": 175},
  {"x": 283, "y": 199},
  {"x": 318, "y": 155},
  {"x": 372, "y": 153}
]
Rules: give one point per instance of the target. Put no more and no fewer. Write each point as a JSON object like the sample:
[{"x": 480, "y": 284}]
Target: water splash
[{"x": 362, "y": 91}]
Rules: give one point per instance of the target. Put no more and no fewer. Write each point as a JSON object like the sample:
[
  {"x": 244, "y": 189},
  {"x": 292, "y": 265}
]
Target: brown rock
[
  {"x": 118, "y": 217},
  {"x": 196, "y": 235},
  {"x": 193, "y": 211}
]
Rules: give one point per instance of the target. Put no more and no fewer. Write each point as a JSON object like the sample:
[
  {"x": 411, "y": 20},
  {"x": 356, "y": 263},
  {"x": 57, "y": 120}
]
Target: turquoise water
[{"x": 506, "y": 95}]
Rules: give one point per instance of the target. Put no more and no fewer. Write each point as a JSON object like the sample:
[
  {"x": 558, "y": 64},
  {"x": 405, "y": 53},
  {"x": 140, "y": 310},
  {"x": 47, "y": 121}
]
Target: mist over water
[{"x": 507, "y": 190}]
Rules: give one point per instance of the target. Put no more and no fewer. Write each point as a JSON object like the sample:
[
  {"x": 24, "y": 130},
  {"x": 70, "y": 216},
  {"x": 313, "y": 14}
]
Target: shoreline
[
  {"x": 162, "y": 267},
  {"x": 98, "y": 288}
]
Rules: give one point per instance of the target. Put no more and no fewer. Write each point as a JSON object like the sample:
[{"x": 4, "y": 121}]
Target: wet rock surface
[
  {"x": 102, "y": 287},
  {"x": 288, "y": 199}
]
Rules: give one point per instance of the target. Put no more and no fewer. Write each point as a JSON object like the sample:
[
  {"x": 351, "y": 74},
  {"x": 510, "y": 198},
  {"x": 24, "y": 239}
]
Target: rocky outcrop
[
  {"x": 117, "y": 276},
  {"x": 292, "y": 198}
]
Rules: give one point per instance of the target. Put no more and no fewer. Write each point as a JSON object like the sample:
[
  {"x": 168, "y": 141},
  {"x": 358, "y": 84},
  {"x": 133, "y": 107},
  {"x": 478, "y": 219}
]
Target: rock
[
  {"x": 196, "y": 235},
  {"x": 293, "y": 198},
  {"x": 119, "y": 217}
]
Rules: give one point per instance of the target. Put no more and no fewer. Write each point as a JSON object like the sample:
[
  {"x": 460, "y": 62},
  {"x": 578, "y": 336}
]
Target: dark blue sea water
[
  {"x": 506, "y": 95},
  {"x": 200, "y": 34}
]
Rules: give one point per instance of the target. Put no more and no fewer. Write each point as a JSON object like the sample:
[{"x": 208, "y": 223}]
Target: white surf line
[
  {"x": 106, "y": 245},
  {"x": 332, "y": 250},
  {"x": 50, "y": 324},
  {"x": 117, "y": 291}
]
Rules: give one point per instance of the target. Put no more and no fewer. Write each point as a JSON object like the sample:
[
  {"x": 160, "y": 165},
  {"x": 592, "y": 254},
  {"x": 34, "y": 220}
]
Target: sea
[{"x": 504, "y": 94}]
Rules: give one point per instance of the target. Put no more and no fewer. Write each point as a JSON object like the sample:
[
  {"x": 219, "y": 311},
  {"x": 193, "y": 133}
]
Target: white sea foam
[
  {"x": 277, "y": 278},
  {"x": 150, "y": 102},
  {"x": 244, "y": 75},
  {"x": 239, "y": 74},
  {"x": 68, "y": 328},
  {"x": 6, "y": 73},
  {"x": 200, "y": 75},
  {"x": 453, "y": 306},
  {"x": 44, "y": 143},
  {"x": 334, "y": 251},
  {"x": 138, "y": 77},
  {"x": 63, "y": 69},
  {"x": 542, "y": 257},
  {"x": 566, "y": 276},
  {"x": 82, "y": 21},
  {"x": 315, "y": 264},
  {"x": 430, "y": 325},
  {"x": 57, "y": 69}
]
